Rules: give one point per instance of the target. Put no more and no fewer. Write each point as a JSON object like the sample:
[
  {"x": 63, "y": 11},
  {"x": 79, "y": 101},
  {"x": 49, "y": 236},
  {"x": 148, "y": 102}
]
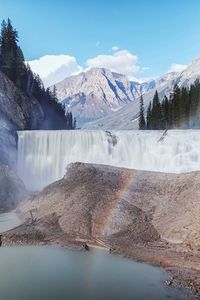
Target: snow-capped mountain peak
[
  {"x": 96, "y": 93},
  {"x": 191, "y": 73},
  {"x": 127, "y": 117},
  {"x": 102, "y": 94}
]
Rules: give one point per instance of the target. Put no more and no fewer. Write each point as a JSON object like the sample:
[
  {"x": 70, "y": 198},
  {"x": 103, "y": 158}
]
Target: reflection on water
[{"x": 48, "y": 273}]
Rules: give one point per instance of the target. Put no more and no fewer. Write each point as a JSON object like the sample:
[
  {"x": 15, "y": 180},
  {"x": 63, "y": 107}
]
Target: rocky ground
[
  {"x": 148, "y": 216},
  {"x": 12, "y": 189}
]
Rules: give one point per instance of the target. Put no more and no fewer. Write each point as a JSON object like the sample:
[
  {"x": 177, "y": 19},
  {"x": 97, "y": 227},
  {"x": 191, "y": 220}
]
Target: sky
[{"x": 141, "y": 39}]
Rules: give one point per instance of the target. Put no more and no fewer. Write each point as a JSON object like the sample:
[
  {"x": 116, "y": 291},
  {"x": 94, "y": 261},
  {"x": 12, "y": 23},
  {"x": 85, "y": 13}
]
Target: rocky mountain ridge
[
  {"x": 98, "y": 92},
  {"x": 126, "y": 118}
]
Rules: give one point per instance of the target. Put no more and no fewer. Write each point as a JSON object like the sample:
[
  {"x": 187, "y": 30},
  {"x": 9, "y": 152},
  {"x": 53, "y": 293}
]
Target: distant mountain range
[
  {"x": 103, "y": 99},
  {"x": 127, "y": 117},
  {"x": 96, "y": 93}
]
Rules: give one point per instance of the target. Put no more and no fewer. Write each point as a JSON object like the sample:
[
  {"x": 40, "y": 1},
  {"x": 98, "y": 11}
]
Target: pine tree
[
  {"x": 176, "y": 103},
  {"x": 54, "y": 93},
  {"x": 142, "y": 123},
  {"x": 165, "y": 113},
  {"x": 148, "y": 117},
  {"x": 12, "y": 64},
  {"x": 69, "y": 120},
  {"x": 156, "y": 114},
  {"x": 11, "y": 56},
  {"x": 2, "y": 43},
  {"x": 184, "y": 108},
  {"x": 74, "y": 126},
  {"x": 181, "y": 110},
  {"x": 194, "y": 96}
]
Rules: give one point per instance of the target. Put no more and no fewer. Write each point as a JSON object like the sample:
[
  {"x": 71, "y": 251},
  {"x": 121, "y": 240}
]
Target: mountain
[
  {"x": 101, "y": 99},
  {"x": 100, "y": 93},
  {"x": 96, "y": 93},
  {"x": 190, "y": 74},
  {"x": 127, "y": 117}
]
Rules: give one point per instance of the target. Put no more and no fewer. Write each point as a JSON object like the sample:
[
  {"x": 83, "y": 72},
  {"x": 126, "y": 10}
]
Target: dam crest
[{"x": 43, "y": 156}]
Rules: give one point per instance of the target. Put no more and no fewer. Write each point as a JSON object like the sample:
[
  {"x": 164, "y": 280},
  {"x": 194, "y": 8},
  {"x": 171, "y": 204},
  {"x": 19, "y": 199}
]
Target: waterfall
[{"x": 44, "y": 155}]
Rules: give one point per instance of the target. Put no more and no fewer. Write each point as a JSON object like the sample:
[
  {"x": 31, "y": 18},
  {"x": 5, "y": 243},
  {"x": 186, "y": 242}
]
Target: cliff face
[
  {"x": 96, "y": 93},
  {"x": 17, "y": 112},
  {"x": 12, "y": 189}
]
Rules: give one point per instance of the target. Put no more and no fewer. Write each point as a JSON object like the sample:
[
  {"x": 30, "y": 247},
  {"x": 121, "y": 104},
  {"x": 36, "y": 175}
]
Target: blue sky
[{"x": 158, "y": 32}]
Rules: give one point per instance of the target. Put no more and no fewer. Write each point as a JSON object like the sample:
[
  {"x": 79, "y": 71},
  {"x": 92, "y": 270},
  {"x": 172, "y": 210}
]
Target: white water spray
[{"x": 44, "y": 155}]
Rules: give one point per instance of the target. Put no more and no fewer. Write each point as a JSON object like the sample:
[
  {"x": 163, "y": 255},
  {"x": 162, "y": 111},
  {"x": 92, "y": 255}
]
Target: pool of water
[{"x": 51, "y": 273}]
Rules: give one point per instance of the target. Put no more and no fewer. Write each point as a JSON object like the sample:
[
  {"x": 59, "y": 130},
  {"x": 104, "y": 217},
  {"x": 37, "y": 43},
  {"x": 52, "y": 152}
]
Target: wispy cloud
[
  {"x": 122, "y": 61},
  {"x": 177, "y": 68},
  {"x": 115, "y": 48},
  {"x": 54, "y": 68}
]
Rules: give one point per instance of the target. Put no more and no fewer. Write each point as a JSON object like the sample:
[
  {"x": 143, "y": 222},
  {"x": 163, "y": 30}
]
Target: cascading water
[{"x": 44, "y": 155}]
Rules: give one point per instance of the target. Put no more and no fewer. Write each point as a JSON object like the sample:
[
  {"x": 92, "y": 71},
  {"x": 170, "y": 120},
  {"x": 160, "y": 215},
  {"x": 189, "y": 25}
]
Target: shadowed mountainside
[
  {"x": 17, "y": 112},
  {"x": 12, "y": 189}
]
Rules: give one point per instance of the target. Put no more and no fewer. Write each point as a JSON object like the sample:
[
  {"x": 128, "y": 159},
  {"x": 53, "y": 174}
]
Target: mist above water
[{"x": 44, "y": 155}]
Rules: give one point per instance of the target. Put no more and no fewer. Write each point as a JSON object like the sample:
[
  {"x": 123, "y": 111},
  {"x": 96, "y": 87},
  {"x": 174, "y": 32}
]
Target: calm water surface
[
  {"x": 48, "y": 273},
  {"x": 52, "y": 273}
]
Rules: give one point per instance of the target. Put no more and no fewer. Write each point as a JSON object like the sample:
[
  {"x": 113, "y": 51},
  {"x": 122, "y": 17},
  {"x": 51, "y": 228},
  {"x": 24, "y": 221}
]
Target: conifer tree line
[
  {"x": 181, "y": 110},
  {"x": 12, "y": 64}
]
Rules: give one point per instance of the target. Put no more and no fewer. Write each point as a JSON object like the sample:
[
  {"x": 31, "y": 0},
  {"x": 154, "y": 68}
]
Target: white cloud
[
  {"x": 145, "y": 68},
  {"x": 54, "y": 68},
  {"x": 177, "y": 68},
  {"x": 122, "y": 61},
  {"x": 115, "y": 48}
]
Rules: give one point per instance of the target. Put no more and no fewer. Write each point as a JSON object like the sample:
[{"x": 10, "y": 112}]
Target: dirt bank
[{"x": 153, "y": 217}]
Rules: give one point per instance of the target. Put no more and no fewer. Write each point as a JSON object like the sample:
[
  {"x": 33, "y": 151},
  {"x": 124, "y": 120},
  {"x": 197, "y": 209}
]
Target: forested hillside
[
  {"x": 180, "y": 110},
  {"x": 28, "y": 84},
  {"x": 24, "y": 102}
]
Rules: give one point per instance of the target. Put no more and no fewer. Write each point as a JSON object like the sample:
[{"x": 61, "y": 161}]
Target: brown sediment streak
[{"x": 117, "y": 200}]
